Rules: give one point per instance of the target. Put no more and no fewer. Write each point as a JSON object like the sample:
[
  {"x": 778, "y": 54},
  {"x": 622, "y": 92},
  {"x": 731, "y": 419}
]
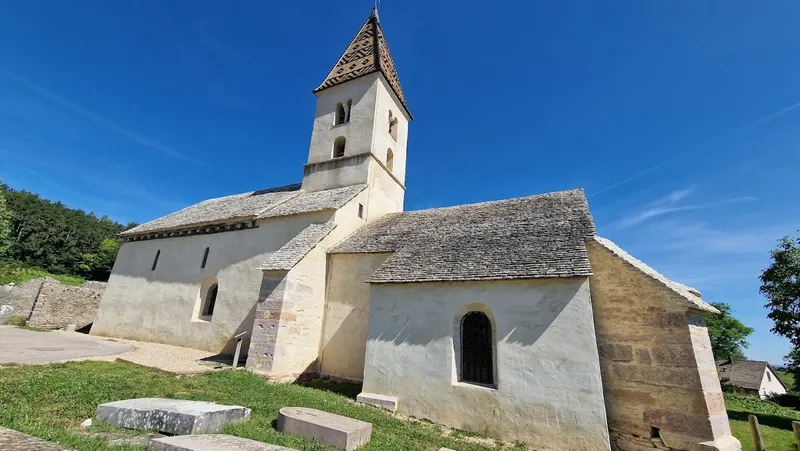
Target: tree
[
  {"x": 98, "y": 265},
  {"x": 57, "y": 238},
  {"x": 728, "y": 335},
  {"x": 780, "y": 284},
  {"x": 5, "y": 226}
]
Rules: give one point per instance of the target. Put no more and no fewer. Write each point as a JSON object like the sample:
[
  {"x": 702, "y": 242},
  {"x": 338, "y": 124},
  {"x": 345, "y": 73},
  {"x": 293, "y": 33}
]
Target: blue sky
[{"x": 681, "y": 119}]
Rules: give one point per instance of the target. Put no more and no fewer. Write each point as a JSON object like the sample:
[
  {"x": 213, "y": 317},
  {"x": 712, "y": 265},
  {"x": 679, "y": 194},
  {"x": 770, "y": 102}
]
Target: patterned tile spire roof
[{"x": 367, "y": 53}]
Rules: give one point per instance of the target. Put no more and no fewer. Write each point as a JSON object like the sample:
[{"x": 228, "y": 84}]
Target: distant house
[{"x": 752, "y": 375}]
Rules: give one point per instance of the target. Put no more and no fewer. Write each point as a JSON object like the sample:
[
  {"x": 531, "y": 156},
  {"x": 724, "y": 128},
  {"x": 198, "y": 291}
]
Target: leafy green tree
[
  {"x": 59, "y": 239},
  {"x": 98, "y": 265},
  {"x": 5, "y": 227},
  {"x": 728, "y": 334},
  {"x": 780, "y": 284}
]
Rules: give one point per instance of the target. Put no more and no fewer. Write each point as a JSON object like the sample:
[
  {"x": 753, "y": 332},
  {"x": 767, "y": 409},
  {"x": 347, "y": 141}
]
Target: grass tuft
[
  {"x": 775, "y": 422},
  {"x": 13, "y": 273}
]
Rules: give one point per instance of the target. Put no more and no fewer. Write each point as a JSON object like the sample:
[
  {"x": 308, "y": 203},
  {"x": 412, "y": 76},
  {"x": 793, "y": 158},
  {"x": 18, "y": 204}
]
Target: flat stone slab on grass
[
  {"x": 382, "y": 401},
  {"x": 13, "y": 440},
  {"x": 211, "y": 443},
  {"x": 330, "y": 429},
  {"x": 171, "y": 416}
]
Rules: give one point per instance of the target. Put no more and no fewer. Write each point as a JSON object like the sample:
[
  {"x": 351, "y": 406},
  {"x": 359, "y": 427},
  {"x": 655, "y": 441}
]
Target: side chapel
[{"x": 510, "y": 318}]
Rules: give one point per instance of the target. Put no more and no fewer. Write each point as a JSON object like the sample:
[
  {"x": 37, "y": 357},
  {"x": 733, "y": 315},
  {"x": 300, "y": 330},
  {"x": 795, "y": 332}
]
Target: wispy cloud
[
  {"x": 670, "y": 204},
  {"x": 100, "y": 119},
  {"x": 737, "y": 130}
]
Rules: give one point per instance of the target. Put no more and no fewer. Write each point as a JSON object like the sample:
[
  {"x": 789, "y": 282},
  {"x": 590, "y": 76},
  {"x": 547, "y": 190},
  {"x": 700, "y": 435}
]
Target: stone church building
[{"x": 510, "y": 318}]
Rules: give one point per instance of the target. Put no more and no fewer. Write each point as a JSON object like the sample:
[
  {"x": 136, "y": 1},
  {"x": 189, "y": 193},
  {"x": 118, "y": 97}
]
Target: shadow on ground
[
  {"x": 222, "y": 359},
  {"x": 763, "y": 419},
  {"x": 347, "y": 389}
]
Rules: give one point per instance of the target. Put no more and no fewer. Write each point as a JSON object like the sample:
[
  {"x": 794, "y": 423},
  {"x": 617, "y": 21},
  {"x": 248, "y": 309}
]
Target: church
[{"x": 510, "y": 318}]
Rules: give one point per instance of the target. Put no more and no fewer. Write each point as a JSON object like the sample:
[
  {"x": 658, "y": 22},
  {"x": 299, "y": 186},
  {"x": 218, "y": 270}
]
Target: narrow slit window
[
  {"x": 476, "y": 349},
  {"x": 211, "y": 300},
  {"x": 390, "y": 159},
  {"x": 338, "y": 147},
  {"x": 340, "y": 114},
  {"x": 205, "y": 258},
  {"x": 392, "y": 126},
  {"x": 360, "y": 210},
  {"x": 155, "y": 260}
]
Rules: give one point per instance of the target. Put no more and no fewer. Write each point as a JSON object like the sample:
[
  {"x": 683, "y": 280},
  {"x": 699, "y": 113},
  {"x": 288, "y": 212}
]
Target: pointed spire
[
  {"x": 375, "y": 13},
  {"x": 367, "y": 53}
]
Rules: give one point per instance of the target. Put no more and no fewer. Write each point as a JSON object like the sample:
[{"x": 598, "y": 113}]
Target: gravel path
[{"x": 174, "y": 359}]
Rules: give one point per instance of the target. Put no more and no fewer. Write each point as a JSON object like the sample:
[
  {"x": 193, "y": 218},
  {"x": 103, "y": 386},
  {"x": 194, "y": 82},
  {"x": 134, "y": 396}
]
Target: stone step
[
  {"x": 330, "y": 429},
  {"x": 211, "y": 442},
  {"x": 171, "y": 416}
]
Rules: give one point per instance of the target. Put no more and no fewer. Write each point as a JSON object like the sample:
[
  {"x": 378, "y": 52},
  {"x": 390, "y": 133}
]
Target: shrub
[
  {"x": 787, "y": 400},
  {"x": 18, "y": 321}
]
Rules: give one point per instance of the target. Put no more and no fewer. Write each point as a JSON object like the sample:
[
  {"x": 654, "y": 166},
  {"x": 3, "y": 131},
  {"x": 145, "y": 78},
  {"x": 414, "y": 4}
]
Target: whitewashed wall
[
  {"x": 162, "y": 305},
  {"x": 770, "y": 385},
  {"x": 549, "y": 391}
]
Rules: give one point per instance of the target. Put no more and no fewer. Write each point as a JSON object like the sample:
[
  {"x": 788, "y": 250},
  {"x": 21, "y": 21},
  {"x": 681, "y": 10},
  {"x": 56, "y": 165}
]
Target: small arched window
[
  {"x": 155, "y": 260},
  {"x": 476, "y": 349},
  {"x": 338, "y": 147},
  {"x": 343, "y": 112},
  {"x": 390, "y": 159},
  {"x": 392, "y": 125},
  {"x": 205, "y": 258},
  {"x": 210, "y": 300}
]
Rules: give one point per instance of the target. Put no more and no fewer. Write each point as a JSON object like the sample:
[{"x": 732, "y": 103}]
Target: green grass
[
  {"x": 13, "y": 273},
  {"x": 51, "y": 401},
  {"x": 775, "y": 422},
  {"x": 787, "y": 380}
]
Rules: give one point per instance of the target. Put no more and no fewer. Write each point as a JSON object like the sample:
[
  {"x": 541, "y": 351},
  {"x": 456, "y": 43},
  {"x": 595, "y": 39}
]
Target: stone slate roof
[
  {"x": 269, "y": 203},
  {"x": 367, "y": 53},
  {"x": 745, "y": 374},
  {"x": 316, "y": 201},
  {"x": 685, "y": 293},
  {"x": 292, "y": 252},
  {"x": 528, "y": 237}
]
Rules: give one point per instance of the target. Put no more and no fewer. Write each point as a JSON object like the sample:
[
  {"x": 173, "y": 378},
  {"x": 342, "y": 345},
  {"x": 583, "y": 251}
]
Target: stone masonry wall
[
  {"x": 658, "y": 370},
  {"x": 60, "y": 305},
  {"x": 18, "y": 300}
]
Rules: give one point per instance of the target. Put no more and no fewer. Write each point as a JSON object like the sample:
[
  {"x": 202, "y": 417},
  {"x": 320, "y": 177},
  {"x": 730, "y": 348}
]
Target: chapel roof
[
  {"x": 269, "y": 203},
  {"x": 367, "y": 53},
  {"x": 744, "y": 373},
  {"x": 529, "y": 237},
  {"x": 292, "y": 252}
]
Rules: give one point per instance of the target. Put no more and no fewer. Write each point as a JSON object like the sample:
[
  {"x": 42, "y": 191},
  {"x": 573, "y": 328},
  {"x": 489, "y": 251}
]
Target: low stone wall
[
  {"x": 18, "y": 300},
  {"x": 59, "y": 306}
]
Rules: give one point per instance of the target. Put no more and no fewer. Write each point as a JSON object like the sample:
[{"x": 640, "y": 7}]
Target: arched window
[
  {"x": 155, "y": 260},
  {"x": 210, "y": 300},
  {"x": 205, "y": 258},
  {"x": 343, "y": 112},
  {"x": 476, "y": 349},
  {"x": 390, "y": 159},
  {"x": 340, "y": 114},
  {"x": 392, "y": 125},
  {"x": 338, "y": 147}
]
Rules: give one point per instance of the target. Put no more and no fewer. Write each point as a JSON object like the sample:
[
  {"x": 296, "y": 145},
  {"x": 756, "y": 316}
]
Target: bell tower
[{"x": 361, "y": 123}]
